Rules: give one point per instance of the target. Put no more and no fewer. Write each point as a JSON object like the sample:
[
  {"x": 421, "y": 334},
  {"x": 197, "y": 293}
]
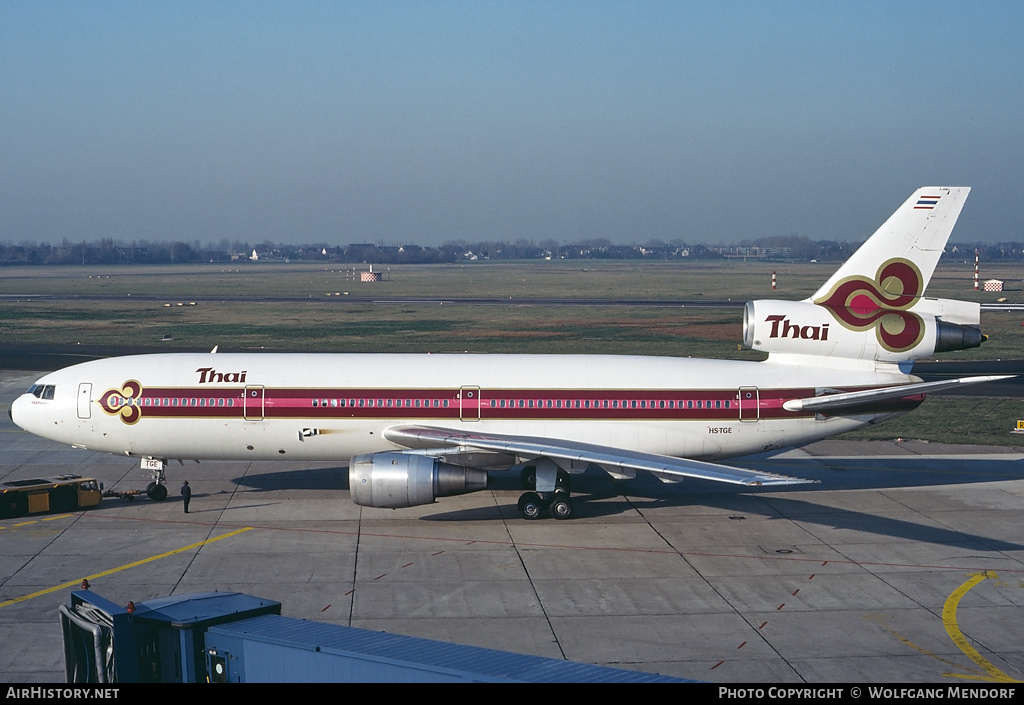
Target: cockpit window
[{"x": 42, "y": 391}]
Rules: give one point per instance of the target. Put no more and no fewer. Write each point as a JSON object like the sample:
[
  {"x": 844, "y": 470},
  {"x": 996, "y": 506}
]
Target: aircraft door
[
  {"x": 252, "y": 403},
  {"x": 85, "y": 400},
  {"x": 469, "y": 403},
  {"x": 749, "y": 404}
]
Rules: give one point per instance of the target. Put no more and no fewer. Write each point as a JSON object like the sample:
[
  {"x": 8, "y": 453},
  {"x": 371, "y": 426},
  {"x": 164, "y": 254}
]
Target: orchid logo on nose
[
  {"x": 123, "y": 402},
  {"x": 859, "y": 304}
]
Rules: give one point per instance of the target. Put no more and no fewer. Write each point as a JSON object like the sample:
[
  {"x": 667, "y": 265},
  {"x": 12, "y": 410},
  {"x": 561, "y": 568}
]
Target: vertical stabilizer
[
  {"x": 915, "y": 233},
  {"x": 874, "y": 309}
]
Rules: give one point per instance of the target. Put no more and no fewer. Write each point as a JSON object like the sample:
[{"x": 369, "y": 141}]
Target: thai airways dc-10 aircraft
[{"x": 417, "y": 427}]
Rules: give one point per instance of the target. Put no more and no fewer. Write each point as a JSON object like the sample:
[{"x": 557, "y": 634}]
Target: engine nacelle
[
  {"x": 868, "y": 332},
  {"x": 394, "y": 479}
]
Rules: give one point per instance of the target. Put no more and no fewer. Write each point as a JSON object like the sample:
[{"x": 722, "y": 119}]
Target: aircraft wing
[
  {"x": 576, "y": 456},
  {"x": 845, "y": 400}
]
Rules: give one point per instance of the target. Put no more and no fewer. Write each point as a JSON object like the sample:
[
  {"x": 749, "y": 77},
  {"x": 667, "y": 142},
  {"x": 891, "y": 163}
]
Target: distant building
[
  {"x": 993, "y": 285},
  {"x": 370, "y": 276}
]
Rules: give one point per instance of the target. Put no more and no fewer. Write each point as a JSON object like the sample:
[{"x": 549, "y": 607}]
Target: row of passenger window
[
  {"x": 172, "y": 401},
  {"x": 535, "y": 403},
  {"x": 382, "y": 403},
  {"x": 611, "y": 403},
  {"x": 438, "y": 403}
]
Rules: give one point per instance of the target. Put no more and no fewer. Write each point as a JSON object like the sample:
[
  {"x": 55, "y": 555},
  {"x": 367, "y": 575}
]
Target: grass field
[
  {"x": 953, "y": 419},
  {"x": 323, "y": 321},
  {"x": 556, "y": 278}
]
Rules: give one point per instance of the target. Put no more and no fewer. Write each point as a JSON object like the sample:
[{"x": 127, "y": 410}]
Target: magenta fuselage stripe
[{"x": 484, "y": 404}]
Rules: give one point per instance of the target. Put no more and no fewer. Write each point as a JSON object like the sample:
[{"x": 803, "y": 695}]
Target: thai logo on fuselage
[
  {"x": 859, "y": 304},
  {"x": 123, "y": 402}
]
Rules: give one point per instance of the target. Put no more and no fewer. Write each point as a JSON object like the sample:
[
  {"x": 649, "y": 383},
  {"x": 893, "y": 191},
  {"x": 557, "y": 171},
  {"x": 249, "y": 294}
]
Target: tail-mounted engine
[
  {"x": 863, "y": 330},
  {"x": 394, "y": 480}
]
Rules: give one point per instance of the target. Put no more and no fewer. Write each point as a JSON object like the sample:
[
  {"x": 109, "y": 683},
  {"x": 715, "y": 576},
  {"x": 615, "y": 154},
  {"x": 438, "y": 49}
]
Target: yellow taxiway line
[
  {"x": 953, "y": 629},
  {"x": 75, "y": 583}
]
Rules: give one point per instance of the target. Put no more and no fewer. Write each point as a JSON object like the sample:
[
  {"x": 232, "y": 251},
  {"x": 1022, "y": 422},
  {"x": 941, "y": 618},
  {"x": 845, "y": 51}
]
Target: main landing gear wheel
[
  {"x": 549, "y": 488},
  {"x": 558, "y": 505},
  {"x": 156, "y": 492},
  {"x": 561, "y": 506},
  {"x": 531, "y": 506}
]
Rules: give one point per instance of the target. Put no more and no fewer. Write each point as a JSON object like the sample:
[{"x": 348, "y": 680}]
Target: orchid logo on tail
[{"x": 859, "y": 304}]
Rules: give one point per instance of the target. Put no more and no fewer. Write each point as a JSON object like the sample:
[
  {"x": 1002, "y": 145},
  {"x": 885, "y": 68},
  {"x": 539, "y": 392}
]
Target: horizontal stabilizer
[
  {"x": 615, "y": 461},
  {"x": 828, "y": 402}
]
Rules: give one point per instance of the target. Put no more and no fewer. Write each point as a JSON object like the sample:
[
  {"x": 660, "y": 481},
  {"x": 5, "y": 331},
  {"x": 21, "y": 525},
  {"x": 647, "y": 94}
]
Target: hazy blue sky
[{"x": 430, "y": 121}]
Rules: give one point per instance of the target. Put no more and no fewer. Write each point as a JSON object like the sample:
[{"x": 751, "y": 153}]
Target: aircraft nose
[{"x": 16, "y": 406}]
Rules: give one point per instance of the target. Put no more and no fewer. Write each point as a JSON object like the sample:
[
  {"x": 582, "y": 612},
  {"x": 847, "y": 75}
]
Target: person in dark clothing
[{"x": 186, "y": 495}]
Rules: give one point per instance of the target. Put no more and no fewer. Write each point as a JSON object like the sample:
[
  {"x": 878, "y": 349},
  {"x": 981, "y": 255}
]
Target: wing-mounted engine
[
  {"x": 862, "y": 328},
  {"x": 395, "y": 479}
]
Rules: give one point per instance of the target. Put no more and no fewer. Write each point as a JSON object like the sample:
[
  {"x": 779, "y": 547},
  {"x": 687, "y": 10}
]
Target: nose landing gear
[{"x": 156, "y": 490}]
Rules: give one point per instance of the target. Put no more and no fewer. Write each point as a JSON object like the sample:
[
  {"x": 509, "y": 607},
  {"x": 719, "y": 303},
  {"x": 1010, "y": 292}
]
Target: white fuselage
[{"x": 332, "y": 407}]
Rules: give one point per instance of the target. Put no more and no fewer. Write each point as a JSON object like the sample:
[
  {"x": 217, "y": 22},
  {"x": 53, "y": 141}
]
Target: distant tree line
[{"x": 110, "y": 252}]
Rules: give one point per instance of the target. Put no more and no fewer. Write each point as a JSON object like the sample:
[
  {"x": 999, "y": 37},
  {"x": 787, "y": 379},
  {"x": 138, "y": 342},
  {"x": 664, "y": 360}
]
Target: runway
[
  {"x": 346, "y": 299},
  {"x": 905, "y": 564}
]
